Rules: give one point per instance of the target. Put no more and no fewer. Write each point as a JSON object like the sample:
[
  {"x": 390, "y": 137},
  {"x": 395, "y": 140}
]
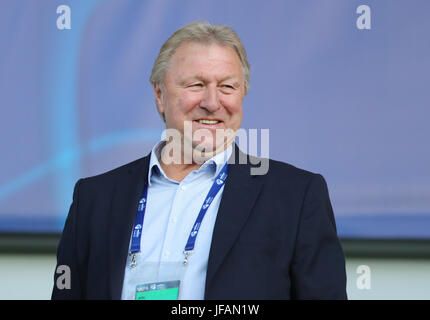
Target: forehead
[{"x": 191, "y": 58}]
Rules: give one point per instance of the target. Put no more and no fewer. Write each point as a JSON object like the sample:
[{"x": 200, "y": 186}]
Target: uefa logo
[
  {"x": 219, "y": 181},
  {"x": 142, "y": 204}
]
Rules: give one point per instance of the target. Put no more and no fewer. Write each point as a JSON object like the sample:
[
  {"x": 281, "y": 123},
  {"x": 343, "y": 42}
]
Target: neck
[{"x": 178, "y": 170}]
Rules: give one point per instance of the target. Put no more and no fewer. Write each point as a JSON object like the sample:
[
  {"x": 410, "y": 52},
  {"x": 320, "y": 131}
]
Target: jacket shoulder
[
  {"x": 276, "y": 170},
  {"x": 279, "y": 167},
  {"x": 281, "y": 175},
  {"x": 109, "y": 177}
]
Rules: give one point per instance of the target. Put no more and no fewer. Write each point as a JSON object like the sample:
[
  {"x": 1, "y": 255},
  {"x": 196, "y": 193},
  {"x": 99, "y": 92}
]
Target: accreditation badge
[
  {"x": 166, "y": 290},
  {"x": 155, "y": 281}
]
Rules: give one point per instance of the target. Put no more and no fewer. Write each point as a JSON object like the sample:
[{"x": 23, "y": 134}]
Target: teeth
[{"x": 209, "y": 121}]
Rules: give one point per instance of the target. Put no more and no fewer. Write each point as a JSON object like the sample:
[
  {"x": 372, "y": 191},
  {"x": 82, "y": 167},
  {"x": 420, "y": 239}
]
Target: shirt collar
[{"x": 214, "y": 164}]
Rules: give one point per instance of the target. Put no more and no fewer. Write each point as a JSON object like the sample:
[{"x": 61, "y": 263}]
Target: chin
[
  {"x": 205, "y": 151},
  {"x": 204, "y": 147}
]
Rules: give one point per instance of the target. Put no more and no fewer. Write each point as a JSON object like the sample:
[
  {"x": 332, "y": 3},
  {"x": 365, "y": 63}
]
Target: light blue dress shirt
[{"x": 171, "y": 211}]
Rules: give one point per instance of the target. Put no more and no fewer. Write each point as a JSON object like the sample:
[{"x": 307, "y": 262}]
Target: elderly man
[{"x": 190, "y": 222}]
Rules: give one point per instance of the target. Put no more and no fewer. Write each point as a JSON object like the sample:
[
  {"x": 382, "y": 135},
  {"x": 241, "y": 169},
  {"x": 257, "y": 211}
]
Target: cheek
[
  {"x": 179, "y": 106},
  {"x": 188, "y": 101},
  {"x": 234, "y": 109},
  {"x": 233, "y": 105}
]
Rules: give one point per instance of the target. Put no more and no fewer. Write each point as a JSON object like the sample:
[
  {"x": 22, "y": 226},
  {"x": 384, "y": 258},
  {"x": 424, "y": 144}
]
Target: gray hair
[{"x": 200, "y": 32}]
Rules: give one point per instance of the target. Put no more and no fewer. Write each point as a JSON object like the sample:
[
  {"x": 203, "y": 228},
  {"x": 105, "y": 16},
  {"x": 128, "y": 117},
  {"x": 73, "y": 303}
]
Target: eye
[
  {"x": 227, "y": 87},
  {"x": 196, "y": 85}
]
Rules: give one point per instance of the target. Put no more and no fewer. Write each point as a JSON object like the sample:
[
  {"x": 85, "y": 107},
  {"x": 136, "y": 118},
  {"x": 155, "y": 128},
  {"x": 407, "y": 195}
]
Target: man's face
[{"x": 203, "y": 84}]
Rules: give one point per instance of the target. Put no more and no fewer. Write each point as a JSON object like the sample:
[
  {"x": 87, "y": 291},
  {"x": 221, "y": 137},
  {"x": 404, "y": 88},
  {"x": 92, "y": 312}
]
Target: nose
[{"x": 210, "y": 99}]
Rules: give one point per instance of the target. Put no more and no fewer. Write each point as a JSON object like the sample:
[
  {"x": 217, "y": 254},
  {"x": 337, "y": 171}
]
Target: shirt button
[
  {"x": 183, "y": 187},
  {"x": 174, "y": 219},
  {"x": 167, "y": 253}
]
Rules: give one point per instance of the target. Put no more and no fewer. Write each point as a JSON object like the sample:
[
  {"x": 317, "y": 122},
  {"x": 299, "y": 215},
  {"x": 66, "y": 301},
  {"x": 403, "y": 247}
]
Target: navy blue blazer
[{"x": 274, "y": 236}]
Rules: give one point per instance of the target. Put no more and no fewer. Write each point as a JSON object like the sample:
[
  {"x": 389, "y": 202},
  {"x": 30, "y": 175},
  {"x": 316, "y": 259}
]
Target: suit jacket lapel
[
  {"x": 128, "y": 191},
  {"x": 240, "y": 193}
]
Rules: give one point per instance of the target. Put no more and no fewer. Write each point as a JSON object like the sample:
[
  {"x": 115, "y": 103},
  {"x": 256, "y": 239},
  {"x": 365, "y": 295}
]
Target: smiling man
[{"x": 189, "y": 222}]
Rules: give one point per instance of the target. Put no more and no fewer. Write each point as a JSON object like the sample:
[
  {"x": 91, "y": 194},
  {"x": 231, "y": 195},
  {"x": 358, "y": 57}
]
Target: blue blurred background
[{"x": 350, "y": 104}]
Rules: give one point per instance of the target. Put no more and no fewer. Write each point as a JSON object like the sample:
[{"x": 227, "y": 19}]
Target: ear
[{"x": 159, "y": 98}]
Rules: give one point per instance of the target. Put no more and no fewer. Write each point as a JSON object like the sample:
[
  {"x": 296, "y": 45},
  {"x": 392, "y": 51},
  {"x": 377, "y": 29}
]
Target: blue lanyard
[{"x": 189, "y": 247}]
